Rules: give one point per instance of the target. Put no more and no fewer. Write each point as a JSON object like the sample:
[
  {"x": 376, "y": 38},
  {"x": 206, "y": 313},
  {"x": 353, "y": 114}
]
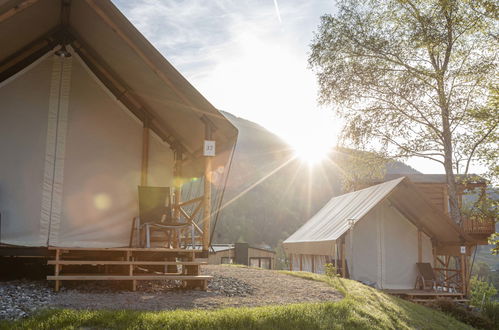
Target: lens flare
[{"x": 102, "y": 201}]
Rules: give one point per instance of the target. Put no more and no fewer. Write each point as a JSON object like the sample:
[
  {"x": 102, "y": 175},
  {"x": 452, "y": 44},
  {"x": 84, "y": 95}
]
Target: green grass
[{"x": 361, "y": 308}]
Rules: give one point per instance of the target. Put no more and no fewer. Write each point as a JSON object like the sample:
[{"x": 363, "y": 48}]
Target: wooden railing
[{"x": 476, "y": 226}]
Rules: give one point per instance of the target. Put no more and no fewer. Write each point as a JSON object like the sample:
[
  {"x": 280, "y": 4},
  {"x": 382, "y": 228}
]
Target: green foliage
[
  {"x": 494, "y": 241},
  {"x": 331, "y": 270},
  {"x": 462, "y": 314},
  {"x": 414, "y": 78},
  {"x": 481, "y": 292},
  {"x": 361, "y": 308}
]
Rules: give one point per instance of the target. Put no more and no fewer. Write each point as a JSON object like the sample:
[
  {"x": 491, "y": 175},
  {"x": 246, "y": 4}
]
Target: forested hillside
[{"x": 273, "y": 192}]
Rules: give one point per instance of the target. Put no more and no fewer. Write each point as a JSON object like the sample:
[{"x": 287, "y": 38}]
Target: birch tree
[{"x": 413, "y": 78}]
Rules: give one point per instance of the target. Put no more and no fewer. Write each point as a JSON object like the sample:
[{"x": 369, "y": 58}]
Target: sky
[{"x": 249, "y": 58}]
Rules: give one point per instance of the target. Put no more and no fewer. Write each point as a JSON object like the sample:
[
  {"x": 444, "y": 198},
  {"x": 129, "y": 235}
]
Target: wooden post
[
  {"x": 56, "y": 272},
  {"x": 290, "y": 262},
  {"x": 207, "y": 193},
  {"x": 420, "y": 246},
  {"x": 130, "y": 270},
  {"x": 313, "y": 263},
  {"x": 301, "y": 262},
  {"x": 343, "y": 260},
  {"x": 463, "y": 272},
  {"x": 145, "y": 153},
  {"x": 177, "y": 174}
]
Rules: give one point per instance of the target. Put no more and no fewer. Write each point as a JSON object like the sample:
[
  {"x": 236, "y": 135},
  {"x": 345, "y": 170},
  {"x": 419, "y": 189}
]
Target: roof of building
[
  {"x": 338, "y": 215},
  {"x": 437, "y": 178}
]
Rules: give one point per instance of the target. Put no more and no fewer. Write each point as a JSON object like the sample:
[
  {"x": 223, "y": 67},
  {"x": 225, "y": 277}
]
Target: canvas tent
[
  {"x": 78, "y": 133},
  {"x": 384, "y": 230}
]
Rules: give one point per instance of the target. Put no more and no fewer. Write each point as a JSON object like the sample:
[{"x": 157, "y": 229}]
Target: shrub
[
  {"x": 331, "y": 270},
  {"x": 491, "y": 310},
  {"x": 462, "y": 314},
  {"x": 481, "y": 292}
]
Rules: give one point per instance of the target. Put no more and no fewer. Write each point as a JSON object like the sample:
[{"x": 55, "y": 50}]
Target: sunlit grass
[{"x": 361, "y": 308}]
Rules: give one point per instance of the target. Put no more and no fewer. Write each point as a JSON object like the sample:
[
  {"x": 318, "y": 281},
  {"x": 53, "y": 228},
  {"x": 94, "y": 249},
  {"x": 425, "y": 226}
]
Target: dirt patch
[{"x": 231, "y": 287}]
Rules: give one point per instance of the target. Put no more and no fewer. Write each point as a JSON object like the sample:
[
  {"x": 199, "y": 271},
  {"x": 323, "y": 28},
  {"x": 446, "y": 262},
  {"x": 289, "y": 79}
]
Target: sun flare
[{"x": 312, "y": 153}]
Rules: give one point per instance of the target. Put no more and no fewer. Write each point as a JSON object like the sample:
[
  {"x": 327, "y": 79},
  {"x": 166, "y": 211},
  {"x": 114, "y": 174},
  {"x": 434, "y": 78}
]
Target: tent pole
[{"x": 145, "y": 153}]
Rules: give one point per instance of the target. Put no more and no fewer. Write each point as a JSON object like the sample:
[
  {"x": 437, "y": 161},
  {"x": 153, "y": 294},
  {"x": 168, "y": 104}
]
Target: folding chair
[{"x": 156, "y": 214}]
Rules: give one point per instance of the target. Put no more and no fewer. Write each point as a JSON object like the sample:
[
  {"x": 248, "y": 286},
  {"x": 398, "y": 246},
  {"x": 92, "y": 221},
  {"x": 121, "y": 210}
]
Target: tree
[{"x": 413, "y": 78}]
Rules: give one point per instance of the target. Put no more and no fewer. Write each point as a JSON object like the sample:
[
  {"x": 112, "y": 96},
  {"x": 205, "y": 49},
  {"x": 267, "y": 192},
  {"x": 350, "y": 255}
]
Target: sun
[{"x": 311, "y": 153}]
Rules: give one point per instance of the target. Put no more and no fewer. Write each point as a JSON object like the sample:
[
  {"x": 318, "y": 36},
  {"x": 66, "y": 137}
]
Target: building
[
  {"x": 243, "y": 254},
  {"x": 378, "y": 234}
]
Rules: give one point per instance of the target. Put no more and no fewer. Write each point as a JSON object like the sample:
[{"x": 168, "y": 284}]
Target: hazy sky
[{"x": 248, "y": 58}]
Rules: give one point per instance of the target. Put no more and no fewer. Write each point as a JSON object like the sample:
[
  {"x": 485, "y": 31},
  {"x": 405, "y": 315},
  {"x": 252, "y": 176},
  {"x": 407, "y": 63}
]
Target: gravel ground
[{"x": 230, "y": 287}]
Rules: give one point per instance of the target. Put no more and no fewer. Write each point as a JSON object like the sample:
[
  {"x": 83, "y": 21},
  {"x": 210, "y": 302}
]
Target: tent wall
[
  {"x": 384, "y": 246},
  {"x": 364, "y": 245},
  {"x": 85, "y": 162},
  {"x": 24, "y": 102}
]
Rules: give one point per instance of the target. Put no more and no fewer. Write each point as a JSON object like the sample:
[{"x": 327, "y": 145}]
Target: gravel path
[{"x": 230, "y": 287}]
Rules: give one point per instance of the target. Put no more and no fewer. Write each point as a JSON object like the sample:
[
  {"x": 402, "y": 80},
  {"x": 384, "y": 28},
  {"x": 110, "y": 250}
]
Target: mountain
[{"x": 270, "y": 193}]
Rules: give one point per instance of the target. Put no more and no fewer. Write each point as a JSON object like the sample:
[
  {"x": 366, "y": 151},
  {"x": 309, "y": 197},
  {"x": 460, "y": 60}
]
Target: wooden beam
[
  {"x": 207, "y": 192},
  {"x": 16, "y": 9},
  {"x": 30, "y": 53},
  {"x": 177, "y": 177},
  {"x": 343, "y": 260},
  {"x": 420, "y": 246},
  {"x": 463, "y": 273},
  {"x": 145, "y": 154},
  {"x": 139, "y": 52},
  {"x": 125, "y": 93}
]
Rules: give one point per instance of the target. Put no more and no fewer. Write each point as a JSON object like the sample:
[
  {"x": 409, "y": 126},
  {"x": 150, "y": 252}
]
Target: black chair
[{"x": 156, "y": 214}]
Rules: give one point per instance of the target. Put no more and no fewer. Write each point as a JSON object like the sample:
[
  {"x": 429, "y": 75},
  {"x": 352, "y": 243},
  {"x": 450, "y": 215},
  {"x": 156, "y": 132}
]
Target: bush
[
  {"x": 491, "y": 310},
  {"x": 463, "y": 314},
  {"x": 331, "y": 270},
  {"x": 481, "y": 292}
]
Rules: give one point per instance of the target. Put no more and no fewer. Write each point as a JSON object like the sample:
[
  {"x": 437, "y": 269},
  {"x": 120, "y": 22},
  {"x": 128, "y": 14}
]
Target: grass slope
[{"x": 362, "y": 308}]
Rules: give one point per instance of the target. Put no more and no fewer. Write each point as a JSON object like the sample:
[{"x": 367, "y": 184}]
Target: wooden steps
[
  {"x": 89, "y": 277},
  {"x": 112, "y": 262},
  {"x": 122, "y": 264}
]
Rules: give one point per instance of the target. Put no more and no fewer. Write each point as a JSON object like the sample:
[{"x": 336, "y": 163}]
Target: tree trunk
[{"x": 455, "y": 212}]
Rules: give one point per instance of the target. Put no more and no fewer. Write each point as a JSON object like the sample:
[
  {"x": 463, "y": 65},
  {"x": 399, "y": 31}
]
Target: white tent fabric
[
  {"x": 23, "y": 126},
  {"x": 333, "y": 220},
  {"x": 86, "y": 192},
  {"x": 381, "y": 243}
]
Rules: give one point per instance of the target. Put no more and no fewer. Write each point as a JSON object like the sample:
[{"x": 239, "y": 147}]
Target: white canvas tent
[
  {"x": 72, "y": 129},
  {"x": 384, "y": 231}
]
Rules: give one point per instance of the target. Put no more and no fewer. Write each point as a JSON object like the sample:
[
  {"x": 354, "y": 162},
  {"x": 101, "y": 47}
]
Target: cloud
[{"x": 242, "y": 57}]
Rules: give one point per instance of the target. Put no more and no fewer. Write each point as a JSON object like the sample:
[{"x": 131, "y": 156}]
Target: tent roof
[
  {"x": 437, "y": 178},
  {"x": 335, "y": 218},
  {"x": 120, "y": 56}
]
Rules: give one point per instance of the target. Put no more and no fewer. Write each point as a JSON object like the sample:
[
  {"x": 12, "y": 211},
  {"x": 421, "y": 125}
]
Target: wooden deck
[
  {"x": 426, "y": 295},
  {"x": 128, "y": 264}
]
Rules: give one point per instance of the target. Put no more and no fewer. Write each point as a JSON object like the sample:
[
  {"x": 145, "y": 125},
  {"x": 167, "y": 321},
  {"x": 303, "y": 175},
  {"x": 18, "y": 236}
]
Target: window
[
  {"x": 262, "y": 262},
  {"x": 226, "y": 260}
]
